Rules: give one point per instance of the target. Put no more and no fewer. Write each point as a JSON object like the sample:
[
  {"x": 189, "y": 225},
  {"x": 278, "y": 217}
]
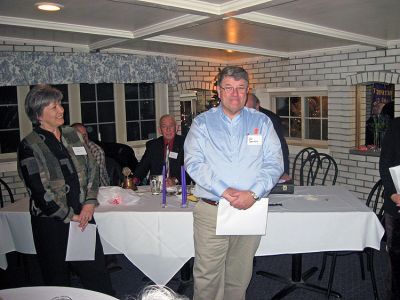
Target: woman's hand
[
  {"x": 85, "y": 216},
  {"x": 396, "y": 199}
]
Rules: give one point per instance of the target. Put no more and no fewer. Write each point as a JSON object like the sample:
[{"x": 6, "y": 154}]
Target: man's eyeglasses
[{"x": 239, "y": 89}]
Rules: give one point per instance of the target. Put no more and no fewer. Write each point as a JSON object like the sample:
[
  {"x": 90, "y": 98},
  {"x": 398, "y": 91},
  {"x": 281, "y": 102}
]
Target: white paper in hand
[
  {"x": 233, "y": 221},
  {"x": 395, "y": 172},
  {"x": 81, "y": 244}
]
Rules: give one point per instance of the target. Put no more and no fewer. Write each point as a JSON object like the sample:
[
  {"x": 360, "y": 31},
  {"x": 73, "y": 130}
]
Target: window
[
  {"x": 97, "y": 108},
  {"x": 140, "y": 111},
  {"x": 63, "y": 88},
  {"x": 9, "y": 123},
  {"x": 303, "y": 117}
]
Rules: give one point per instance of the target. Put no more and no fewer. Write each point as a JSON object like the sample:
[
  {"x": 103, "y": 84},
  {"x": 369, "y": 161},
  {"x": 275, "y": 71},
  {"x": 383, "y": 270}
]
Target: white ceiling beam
[
  {"x": 64, "y": 27},
  {"x": 331, "y": 49},
  {"x": 107, "y": 43},
  {"x": 202, "y": 6},
  {"x": 215, "y": 45},
  {"x": 311, "y": 28},
  {"x": 167, "y": 25}
]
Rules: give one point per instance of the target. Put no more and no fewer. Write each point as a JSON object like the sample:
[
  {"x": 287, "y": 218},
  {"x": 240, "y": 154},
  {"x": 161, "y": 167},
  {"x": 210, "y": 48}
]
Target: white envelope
[
  {"x": 81, "y": 244},
  {"x": 395, "y": 173},
  {"x": 233, "y": 221}
]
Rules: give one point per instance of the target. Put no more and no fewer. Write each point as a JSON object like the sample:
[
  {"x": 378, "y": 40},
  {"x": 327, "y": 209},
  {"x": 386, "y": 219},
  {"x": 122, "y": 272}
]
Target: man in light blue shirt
[{"x": 231, "y": 152}]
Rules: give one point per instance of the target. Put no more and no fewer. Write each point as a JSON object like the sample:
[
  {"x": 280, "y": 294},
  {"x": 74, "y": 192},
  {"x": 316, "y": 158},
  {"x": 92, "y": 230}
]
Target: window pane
[
  {"x": 147, "y": 110},
  {"x": 8, "y": 95},
  {"x": 132, "y": 110},
  {"x": 9, "y": 117},
  {"x": 312, "y": 107},
  {"x": 146, "y": 90},
  {"x": 133, "y": 131},
  {"x": 87, "y": 92},
  {"x": 324, "y": 106},
  {"x": 66, "y": 113},
  {"x": 313, "y": 129},
  {"x": 105, "y": 91},
  {"x": 131, "y": 91},
  {"x": 282, "y": 106},
  {"x": 9, "y": 141},
  {"x": 63, "y": 88},
  {"x": 285, "y": 126},
  {"x": 89, "y": 114},
  {"x": 92, "y": 132},
  {"x": 324, "y": 130},
  {"x": 106, "y": 112},
  {"x": 107, "y": 132},
  {"x": 295, "y": 107},
  {"x": 148, "y": 130},
  {"x": 295, "y": 127}
]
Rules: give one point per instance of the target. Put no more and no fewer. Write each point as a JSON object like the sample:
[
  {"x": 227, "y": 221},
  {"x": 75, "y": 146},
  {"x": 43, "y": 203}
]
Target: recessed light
[
  {"x": 229, "y": 50},
  {"x": 49, "y": 6}
]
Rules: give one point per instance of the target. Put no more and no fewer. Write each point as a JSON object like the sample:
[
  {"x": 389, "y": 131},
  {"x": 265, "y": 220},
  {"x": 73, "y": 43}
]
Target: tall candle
[
  {"x": 183, "y": 181},
  {"x": 164, "y": 187}
]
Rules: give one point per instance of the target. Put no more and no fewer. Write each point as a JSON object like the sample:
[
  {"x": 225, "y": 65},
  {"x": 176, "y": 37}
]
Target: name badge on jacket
[
  {"x": 173, "y": 155},
  {"x": 254, "y": 140},
  {"x": 79, "y": 150}
]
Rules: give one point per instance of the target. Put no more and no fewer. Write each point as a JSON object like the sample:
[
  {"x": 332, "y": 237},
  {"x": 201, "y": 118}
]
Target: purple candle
[
  {"x": 183, "y": 181},
  {"x": 164, "y": 188}
]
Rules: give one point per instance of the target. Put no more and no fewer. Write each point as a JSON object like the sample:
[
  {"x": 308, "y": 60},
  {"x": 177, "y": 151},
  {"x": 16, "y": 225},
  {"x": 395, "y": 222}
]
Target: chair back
[
  {"x": 327, "y": 170},
  {"x": 114, "y": 171},
  {"x": 4, "y": 187},
  {"x": 123, "y": 154},
  {"x": 308, "y": 162},
  {"x": 375, "y": 199}
]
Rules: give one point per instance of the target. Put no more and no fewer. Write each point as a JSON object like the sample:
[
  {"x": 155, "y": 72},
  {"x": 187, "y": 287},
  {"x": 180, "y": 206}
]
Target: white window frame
[{"x": 267, "y": 97}]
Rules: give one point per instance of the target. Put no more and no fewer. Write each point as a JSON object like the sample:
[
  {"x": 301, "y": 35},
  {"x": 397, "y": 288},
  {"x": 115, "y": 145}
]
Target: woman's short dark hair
[
  {"x": 232, "y": 71},
  {"x": 38, "y": 98}
]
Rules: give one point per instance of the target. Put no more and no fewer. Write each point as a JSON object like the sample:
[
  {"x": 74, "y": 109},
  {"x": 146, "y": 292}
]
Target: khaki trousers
[{"x": 223, "y": 265}]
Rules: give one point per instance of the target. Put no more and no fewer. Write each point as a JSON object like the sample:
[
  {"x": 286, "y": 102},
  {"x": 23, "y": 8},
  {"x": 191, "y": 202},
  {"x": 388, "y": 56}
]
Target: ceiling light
[
  {"x": 48, "y": 6},
  {"x": 229, "y": 51}
]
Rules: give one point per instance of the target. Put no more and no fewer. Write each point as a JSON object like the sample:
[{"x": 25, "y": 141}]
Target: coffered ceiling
[{"x": 213, "y": 29}]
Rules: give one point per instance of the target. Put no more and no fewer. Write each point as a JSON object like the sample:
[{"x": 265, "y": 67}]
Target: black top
[
  {"x": 390, "y": 157},
  {"x": 153, "y": 159},
  {"x": 276, "y": 121},
  {"x": 34, "y": 182}
]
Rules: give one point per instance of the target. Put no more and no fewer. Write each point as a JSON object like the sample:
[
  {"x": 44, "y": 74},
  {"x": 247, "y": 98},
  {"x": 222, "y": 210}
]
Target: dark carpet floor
[{"x": 128, "y": 281}]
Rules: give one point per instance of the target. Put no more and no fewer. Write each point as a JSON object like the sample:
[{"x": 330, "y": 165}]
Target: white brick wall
[{"x": 337, "y": 70}]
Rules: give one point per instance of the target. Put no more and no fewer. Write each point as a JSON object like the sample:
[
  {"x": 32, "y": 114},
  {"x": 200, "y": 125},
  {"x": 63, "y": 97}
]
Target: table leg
[{"x": 298, "y": 279}]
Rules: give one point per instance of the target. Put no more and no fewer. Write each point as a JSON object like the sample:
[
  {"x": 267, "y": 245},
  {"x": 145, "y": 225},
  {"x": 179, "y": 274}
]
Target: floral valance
[{"x": 28, "y": 68}]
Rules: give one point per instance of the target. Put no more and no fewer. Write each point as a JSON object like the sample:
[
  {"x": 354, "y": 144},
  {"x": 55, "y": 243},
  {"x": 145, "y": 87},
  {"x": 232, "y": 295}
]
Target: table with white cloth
[
  {"x": 52, "y": 293},
  {"x": 160, "y": 240}
]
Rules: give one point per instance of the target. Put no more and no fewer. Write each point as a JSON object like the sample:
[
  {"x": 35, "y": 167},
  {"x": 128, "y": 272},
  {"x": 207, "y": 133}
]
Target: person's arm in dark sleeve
[{"x": 39, "y": 188}]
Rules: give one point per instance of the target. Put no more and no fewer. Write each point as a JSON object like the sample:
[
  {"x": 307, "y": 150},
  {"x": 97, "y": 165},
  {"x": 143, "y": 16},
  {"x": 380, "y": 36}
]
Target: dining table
[
  {"x": 159, "y": 241},
  {"x": 52, "y": 293}
]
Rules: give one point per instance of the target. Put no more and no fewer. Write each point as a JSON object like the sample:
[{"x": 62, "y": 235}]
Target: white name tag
[
  {"x": 173, "y": 155},
  {"x": 79, "y": 150},
  {"x": 254, "y": 139}
]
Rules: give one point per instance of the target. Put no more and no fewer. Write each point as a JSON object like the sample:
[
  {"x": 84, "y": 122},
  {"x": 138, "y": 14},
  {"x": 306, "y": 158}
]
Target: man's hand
[
  {"x": 170, "y": 181},
  {"x": 285, "y": 177},
  {"x": 396, "y": 199},
  {"x": 239, "y": 199}
]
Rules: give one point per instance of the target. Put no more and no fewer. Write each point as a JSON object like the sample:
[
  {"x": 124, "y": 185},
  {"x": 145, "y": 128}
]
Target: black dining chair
[
  {"x": 327, "y": 171},
  {"x": 307, "y": 161},
  {"x": 375, "y": 202},
  {"x": 4, "y": 187}
]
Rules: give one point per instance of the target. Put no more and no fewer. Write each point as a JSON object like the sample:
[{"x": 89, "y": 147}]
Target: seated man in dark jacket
[{"x": 167, "y": 149}]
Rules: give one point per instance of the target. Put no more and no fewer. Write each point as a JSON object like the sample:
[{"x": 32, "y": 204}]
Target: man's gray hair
[
  {"x": 232, "y": 71},
  {"x": 38, "y": 98}
]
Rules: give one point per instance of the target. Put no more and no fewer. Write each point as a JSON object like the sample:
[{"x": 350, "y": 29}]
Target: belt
[{"x": 211, "y": 202}]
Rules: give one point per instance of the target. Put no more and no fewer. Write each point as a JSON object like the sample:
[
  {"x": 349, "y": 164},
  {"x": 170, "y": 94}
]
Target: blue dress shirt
[{"x": 218, "y": 155}]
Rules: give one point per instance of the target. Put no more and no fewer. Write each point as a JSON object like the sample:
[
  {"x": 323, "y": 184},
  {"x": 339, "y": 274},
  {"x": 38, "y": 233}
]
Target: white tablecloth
[
  {"x": 159, "y": 241},
  {"x": 51, "y": 292}
]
